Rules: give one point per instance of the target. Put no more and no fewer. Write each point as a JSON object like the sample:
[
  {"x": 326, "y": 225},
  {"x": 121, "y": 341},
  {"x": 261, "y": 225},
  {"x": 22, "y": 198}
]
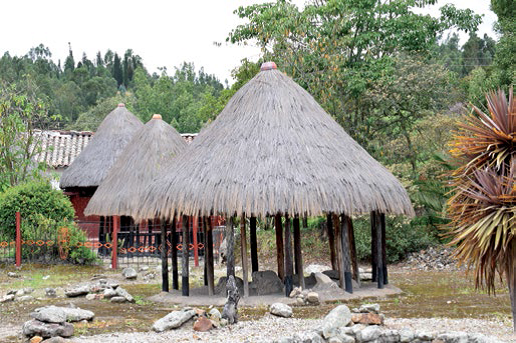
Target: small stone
[
  {"x": 143, "y": 268},
  {"x": 25, "y": 298},
  {"x": 56, "y": 340},
  {"x": 281, "y": 310},
  {"x": 346, "y": 338},
  {"x": 300, "y": 301},
  {"x": 50, "y": 292},
  {"x": 35, "y": 327},
  {"x": 49, "y": 314},
  {"x": 36, "y": 339},
  {"x": 369, "y": 308},
  {"x": 215, "y": 323},
  {"x": 129, "y": 273},
  {"x": 8, "y": 297},
  {"x": 390, "y": 336},
  {"x": 215, "y": 314},
  {"x": 223, "y": 322},
  {"x": 367, "y": 318},
  {"x": 338, "y": 317},
  {"x": 202, "y": 324},
  {"x": 200, "y": 312},
  {"x": 20, "y": 292},
  {"x": 308, "y": 337},
  {"x": 425, "y": 336},
  {"x": 118, "y": 300},
  {"x": 110, "y": 293},
  {"x": 91, "y": 296},
  {"x": 173, "y": 320},
  {"x": 312, "y": 298},
  {"x": 123, "y": 293},
  {"x": 77, "y": 291},
  {"x": 406, "y": 336},
  {"x": 11, "y": 274}
]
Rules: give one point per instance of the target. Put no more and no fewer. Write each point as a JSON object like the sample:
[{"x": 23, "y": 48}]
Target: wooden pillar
[
  {"x": 164, "y": 257},
  {"x": 305, "y": 221},
  {"x": 243, "y": 248},
  {"x": 209, "y": 255},
  {"x": 230, "y": 247},
  {"x": 114, "y": 242},
  {"x": 353, "y": 251},
  {"x": 378, "y": 248},
  {"x": 373, "y": 246},
  {"x": 254, "y": 244},
  {"x": 298, "y": 257},
  {"x": 331, "y": 240},
  {"x": 338, "y": 249},
  {"x": 195, "y": 228},
  {"x": 288, "y": 257},
  {"x": 384, "y": 249},
  {"x": 345, "y": 251},
  {"x": 186, "y": 260},
  {"x": 279, "y": 247},
  {"x": 173, "y": 242},
  {"x": 204, "y": 230}
]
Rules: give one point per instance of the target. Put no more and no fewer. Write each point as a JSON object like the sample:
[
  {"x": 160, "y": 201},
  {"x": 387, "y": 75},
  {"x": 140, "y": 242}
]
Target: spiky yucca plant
[{"x": 482, "y": 209}]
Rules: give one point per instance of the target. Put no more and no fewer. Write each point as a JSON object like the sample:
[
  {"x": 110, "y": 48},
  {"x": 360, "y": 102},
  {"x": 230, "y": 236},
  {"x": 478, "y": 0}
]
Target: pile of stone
[
  {"x": 101, "y": 289},
  {"x": 52, "y": 322},
  {"x": 18, "y": 295},
  {"x": 304, "y": 297},
  {"x": 433, "y": 258},
  {"x": 202, "y": 320},
  {"x": 365, "y": 325}
]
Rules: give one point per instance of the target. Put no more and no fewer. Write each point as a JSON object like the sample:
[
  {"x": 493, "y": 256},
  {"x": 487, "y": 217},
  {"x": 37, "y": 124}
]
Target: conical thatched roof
[
  {"x": 93, "y": 163},
  {"x": 152, "y": 146},
  {"x": 274, "y": 149}
]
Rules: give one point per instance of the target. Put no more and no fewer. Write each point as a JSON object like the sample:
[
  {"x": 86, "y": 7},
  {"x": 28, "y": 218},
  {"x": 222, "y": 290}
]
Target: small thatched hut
[
  {"x": 88, "y": 170},
  {"x": 274, "y": 151}
]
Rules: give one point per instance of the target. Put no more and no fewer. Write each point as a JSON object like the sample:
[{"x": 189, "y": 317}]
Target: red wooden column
[
  {"x": 114, "y": 242},
  {"x": 195, "y": 227},
  {"x": 18, "y": 239}
]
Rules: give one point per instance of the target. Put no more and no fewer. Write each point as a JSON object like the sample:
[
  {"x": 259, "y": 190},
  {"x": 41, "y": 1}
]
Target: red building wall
[{"x": 90, "y": 224}]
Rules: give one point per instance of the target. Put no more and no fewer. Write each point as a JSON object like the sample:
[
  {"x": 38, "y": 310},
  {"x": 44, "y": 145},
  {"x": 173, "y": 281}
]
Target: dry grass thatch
[
  {"x": 93, "y": 163},
  {"x": 274, "y": 149},
  {"x": 146, "y": 154}
]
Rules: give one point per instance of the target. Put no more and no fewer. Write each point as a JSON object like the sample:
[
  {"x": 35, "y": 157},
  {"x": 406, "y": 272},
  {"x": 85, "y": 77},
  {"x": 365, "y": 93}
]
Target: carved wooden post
[
  {"x": 164, "y": 256},
  {"x": 230, "y": 247},
  {"x": 279, "y": 247},
  {"x": 298, "y": 257},
  {"x": 346, "y": 260},
  {"x": 173, "y": 243},
  {"x": 288, "y": 257},
  {"x": 331, "y": 240},
  {"x": 186, "y": 258},
  {"x": 209, "y": 255},
  {"x": 243, "y": 246},
  {"x": 254, "y": 244}
]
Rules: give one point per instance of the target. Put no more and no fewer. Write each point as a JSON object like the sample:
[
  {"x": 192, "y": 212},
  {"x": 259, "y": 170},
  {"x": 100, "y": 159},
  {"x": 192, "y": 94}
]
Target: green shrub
[
  {"x": 32, "y": 200},
  {"x": 44, "y": 212}
]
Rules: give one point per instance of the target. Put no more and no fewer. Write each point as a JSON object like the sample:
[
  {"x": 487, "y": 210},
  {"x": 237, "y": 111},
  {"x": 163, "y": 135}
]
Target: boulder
[
  {"x": 77, "y": 314},
  {"x": 220, "y": 288},
  {"x": 77, "y": 291},
  {"x": 173, "y": 320},
  {"x": 367, "y": 318},
  {"x": 266, "y": 282},
  {"x": 202, "y": 324},
  {"x": 49, "y": 314},
  {"x": 323, "y": 282},
  {"x": 332, "y": 274},
  {"x": 118, "y": 300},
  {"x": 370, "y": 333},
  {"x": 281, "y": 310},
  {"x": 340, "y": 316},
  {"x": 129, "y": 273},
  {"x": 35, "y": 327},
  {"x": 110, "y": 293},
  {"x": 312, "y": 298},
  {"x": 123, "y": 293}
]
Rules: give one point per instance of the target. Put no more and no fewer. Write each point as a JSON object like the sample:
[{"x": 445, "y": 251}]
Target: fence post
[
  {"x": 114, "y": 242},
  {"x": 18, "y": 239}
]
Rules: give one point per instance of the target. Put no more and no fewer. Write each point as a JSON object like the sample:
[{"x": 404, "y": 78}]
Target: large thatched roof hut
[
  {"x": 274, "y": 149},
  {"x": 145, "y": 155},
  {"x": 90, "y": 168},
  {"x": 81, "y": 179}
]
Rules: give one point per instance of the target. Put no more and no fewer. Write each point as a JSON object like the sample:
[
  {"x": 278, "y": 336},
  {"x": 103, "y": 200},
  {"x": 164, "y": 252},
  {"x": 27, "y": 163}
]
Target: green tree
[{"x": 505, "y": 56}]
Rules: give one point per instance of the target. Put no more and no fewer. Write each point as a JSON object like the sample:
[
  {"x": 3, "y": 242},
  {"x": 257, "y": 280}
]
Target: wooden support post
[
  {"x": 298, "y": 256},
  {"x": 384, "y": 249},
  {"x": 173, "y": 242},
  {"x": 338, "y": 249},
  {"x": 114, "y": 242},
  {"x": 230, "y": 247},
  {"x": 305, "y": 221},
  {"x": 254, "y": 244},
  {"x": 345, "y": 251},
  {"x": 186, "y": 258},
  {"x": 243, "y": 248},
  {"x": 204, "y": 230},
  {"x": 164, "y": 257},
  {"x": 353, "y": 251},
  {"x": 288, "y": 257},
  {"x": 195, "y": 224},
  {"x": 331, "y": 240},
  {"x": 279, "y": 247},
  {"x": 209, "y": 255},
  {"x": 379, "y": 254},
  {"x": 373, "y": 246},
  {"x": 18, "y": 240}
]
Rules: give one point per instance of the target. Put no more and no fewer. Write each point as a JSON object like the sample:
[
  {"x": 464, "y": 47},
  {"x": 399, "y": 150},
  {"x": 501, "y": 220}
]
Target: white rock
[
  {"x": 173, "y": 320},
  {"x": 281, "y": 310},
  {"x": 340, "y": 316}
]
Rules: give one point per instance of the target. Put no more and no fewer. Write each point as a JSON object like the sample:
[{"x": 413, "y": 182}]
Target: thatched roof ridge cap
[
  {"x": 121, "y": 104},
  {"x": 157, "y": 117}
]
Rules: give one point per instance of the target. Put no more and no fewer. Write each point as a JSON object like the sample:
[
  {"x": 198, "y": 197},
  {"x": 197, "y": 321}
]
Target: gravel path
[{"x": 270, "y": 328}]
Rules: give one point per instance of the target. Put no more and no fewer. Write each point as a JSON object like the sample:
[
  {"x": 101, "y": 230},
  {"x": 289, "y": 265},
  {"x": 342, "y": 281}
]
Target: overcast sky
[{"x": 163, "y": 33}]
